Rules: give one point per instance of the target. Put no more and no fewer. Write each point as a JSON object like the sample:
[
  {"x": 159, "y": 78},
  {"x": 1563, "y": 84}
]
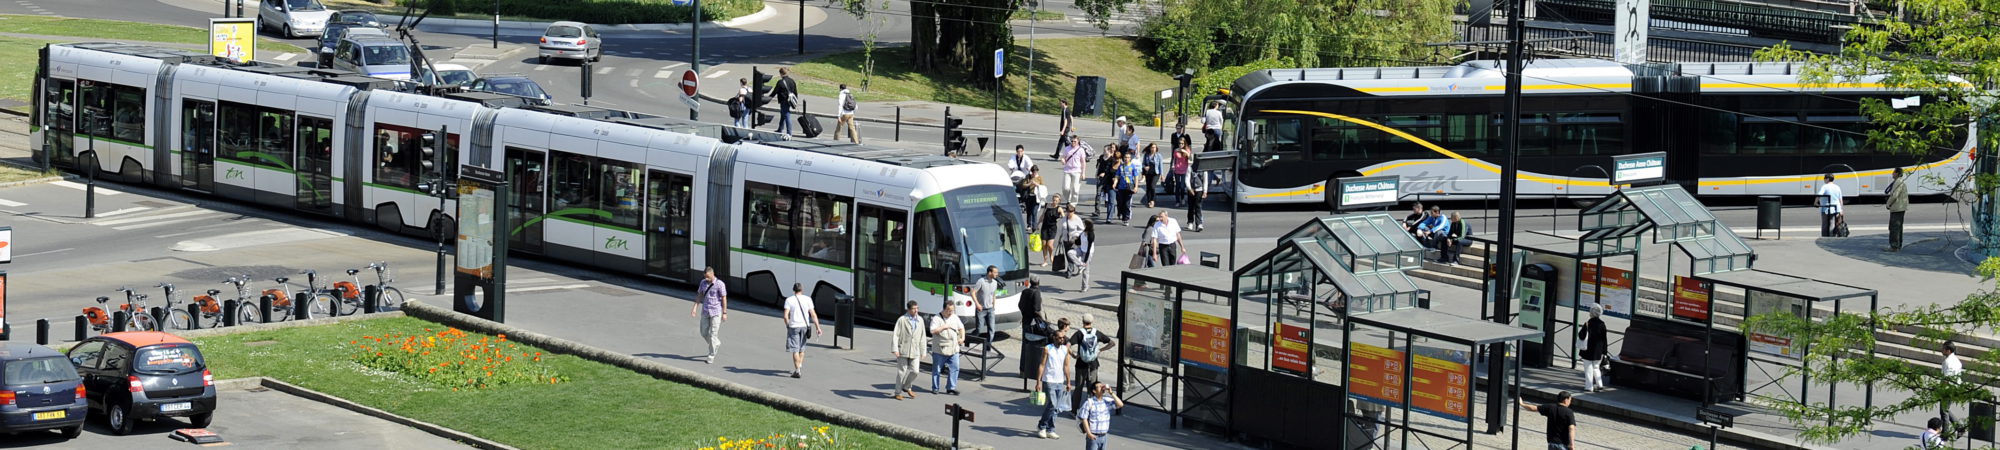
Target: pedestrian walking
[
  {"x": 1899, "y": 202},
  {"x": 908, "y": 340},
  {"x": 1035, "y": 331},
  {"x": 1933, "y": 436},
  {"x": 1951, "y": 368},
  {"x": 1065, "y": 127},
  {"x": 1131, "y": 142},
  {"x": 947, "y": 337},
  {"x": 1074, "y": 156},
  {"x": 846, "y": 120},
  {"x": 711, "y": 308},
  {"x": 1118, "y": 131},
  {"x": 1830, "y": 218},
  {"x": 1049, "y": 224},
  {"x": 801, "y": 324},
  {"x": 1107, "y": 197},
  {"x": 1595, "y": 345},
  {"x": 1128, "y": 179},
  {"x": 1167, "y": 233},
  {"x": 1177, "y": 179},
  {"x": 1562, "y": 421},
  {"x": 787, "y": 92},
  {"x": 1211, "y": 126},
  {"x": 1032, "y": 195},
  {"x": 1086, "y": 343},
  {"x": 1197, "y": 193},
  {"x": 1095, "y": 415},
  {"x": 743, "y": 98},
  {"x": 983, "y": 292},
  {"x": 1153, "y": 165},
  {"x": 1053, "y": 384},
  {"x": 1019, "y": 165}
]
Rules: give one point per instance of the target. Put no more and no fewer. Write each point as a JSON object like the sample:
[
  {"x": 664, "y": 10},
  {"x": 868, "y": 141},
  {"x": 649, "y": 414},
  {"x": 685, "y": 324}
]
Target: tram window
[
  {"x": 238, "y": 131},
  {"x": 1418, "y": 127},
  {"x": 60, "y": 104},
  {"x": 1590, "y": 134},
  {"x": 197, "y": 126},
  {"x": 399, "y": 156},
  {"x": 94, "y": 101},
  {"x": 1278, "y": 140},
  {"x": 924, "y": 250},
  {"x": 1835, "y": 133},
  {"x": 1535, "y": 132},
  {"x": 823, "y": 226},
  {"x": 619, "y": 192},
  {"x": 1468, "y": 134},
  {"x": 316, "y": 138},
  {"x": 274, "y": 138},
  {"x": 1718, "y": 132},
  {"x": 1768, "y": 133},
  {"x": 768, "y": 218},
  {"x": 128, "y": 113},
  {"x": 569, "y": 182}
]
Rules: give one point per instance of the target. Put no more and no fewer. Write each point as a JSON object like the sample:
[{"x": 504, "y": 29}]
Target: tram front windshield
[{"x": 986, "y": 221}]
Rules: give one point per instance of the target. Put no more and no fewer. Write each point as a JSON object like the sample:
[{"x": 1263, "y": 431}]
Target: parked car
[
  {"x": 294, "y": 17},
  {"x": 144, "y": 375},
  {"x": 39, "y": 390},
  {"x": 354, "y": 17},
  {"x": 336, "y": 32},
  {"x": 451, "y": 75},
  {"x": 375, "y": 56},
  {"x": 572, "y": 40},
  {"x": 515, "y": 85}
]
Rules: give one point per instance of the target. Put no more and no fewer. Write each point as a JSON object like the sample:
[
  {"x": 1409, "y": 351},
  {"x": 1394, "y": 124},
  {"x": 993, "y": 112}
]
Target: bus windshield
[{"x": 987, "y": 220}]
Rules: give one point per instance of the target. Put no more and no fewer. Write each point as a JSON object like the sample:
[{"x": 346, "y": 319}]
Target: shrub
[{"x": 451, "y": 358}]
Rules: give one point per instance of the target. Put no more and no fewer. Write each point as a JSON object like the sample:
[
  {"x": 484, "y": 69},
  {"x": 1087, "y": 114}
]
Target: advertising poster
[
  {"x": 233, "y": 39},
  {"x": 1533, "y": 306},
  {"x": 1148, "y": 333},
  {"x": 1767, "y": 342},
  {"x": 1290, "y": 349},
  {"x": 1375, "y": 374},
  {"x": 1691, "y": 299},
  {"x": 1616, "y": 284},
  {"x": 3, "y": 297},
  {"x": 1204, "y": 341},
  {"x": 1443, "y": 387},
  {"x": 6, "y": 245}
]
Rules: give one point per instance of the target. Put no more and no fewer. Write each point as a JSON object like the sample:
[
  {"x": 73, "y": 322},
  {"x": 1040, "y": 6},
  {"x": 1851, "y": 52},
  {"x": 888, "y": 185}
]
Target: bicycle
[
  {"x": 386, "y": 297},
  {"x": 281, "y": 304},
  {"x": 137, "y": 317},
  {"x": 245, "y": 307},
  {"x": 179, "y": 318},
  {"x": 319, "y": 301}
]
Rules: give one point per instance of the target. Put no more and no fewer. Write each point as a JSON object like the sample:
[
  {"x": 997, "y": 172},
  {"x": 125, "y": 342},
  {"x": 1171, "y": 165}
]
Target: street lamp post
[
  {"x": 496, "y": 23},
  {"x": 1496, "y": 359},
  {"x": 802, "y": 27}
]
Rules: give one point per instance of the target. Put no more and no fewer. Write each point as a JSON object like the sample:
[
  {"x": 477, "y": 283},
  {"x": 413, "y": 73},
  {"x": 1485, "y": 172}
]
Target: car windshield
[
  {"x": 377, "y": 55},
  {"x": 988, "y": 222},
  {"x": 168, "y": 359},
  {"x": 521, "y": 87},
  {"x": 304, "y": 5},
  {"x": 563, "y": 31},
  {"x": 456, "y": 77},
  {"x": 40, "y": 371},
  {"x": 357, "y": 17}
]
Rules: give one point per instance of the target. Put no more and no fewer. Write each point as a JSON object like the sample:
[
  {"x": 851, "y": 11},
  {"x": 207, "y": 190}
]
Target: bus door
[
  {"x": 878, "y": 279},
  {"x": 527, "y": 177},
  {"x": 315, "y": 164},
  {"x": 669, "y": 234}
]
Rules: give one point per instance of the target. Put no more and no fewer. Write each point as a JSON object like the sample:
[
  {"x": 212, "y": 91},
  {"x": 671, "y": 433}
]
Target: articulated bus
[
  {"x": 609, "y": 190},
  {"x": 1729, "y": 129}
]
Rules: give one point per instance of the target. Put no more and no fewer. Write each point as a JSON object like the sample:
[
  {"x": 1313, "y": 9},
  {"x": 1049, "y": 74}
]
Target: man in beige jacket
[
  {"x": 908, "y": 343},
  {"x": 1899, "y": 202}
]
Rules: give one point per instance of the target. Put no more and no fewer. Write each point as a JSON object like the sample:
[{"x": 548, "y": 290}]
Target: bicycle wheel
[
  {"x": 320, "y": 306},
  {"x": 140, "y": 322},
  {"x": 246, "y": 314},
  {"x": 390, "y": 299},
  {"x": 348, "y": 306},
  {"x": 209, "y": 320},
  {"x": 179, "y": 320}
]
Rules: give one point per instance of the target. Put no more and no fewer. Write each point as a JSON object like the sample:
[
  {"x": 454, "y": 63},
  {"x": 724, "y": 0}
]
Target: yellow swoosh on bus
[
  {"x": 1482, "y": 165},
  {"x": 1814, "y": 178}
]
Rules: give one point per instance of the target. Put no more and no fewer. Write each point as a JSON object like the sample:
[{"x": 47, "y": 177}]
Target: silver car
[
  {"x": 572, "y": 40},
  {"x": 295, "y": 17},
  {"x": 374, "y": 56}
]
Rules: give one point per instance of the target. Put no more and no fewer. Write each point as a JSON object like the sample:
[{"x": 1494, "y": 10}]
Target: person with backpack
[
  {"x": 1087, "y": 343},
  {"x": 739, "y": 107},
  {"x": 846, "y": 121},
  {"x": 787, "y": 93}
]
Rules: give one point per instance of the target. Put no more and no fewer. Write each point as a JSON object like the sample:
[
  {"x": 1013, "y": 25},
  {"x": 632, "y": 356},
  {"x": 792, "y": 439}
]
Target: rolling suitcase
[{"x": 809, "y": 126}]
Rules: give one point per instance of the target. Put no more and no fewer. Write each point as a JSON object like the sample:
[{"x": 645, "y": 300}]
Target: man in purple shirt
[{"x": 712, "y": 307}]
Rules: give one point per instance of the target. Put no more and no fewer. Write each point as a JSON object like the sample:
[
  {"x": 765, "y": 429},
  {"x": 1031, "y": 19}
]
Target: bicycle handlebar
[{"x": 164, "y": 285}]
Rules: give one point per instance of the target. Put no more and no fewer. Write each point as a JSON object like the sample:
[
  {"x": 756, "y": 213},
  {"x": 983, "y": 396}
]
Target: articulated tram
[
  {"x": 609, "y": 190},
  {"x": 1729, "y": 129}
]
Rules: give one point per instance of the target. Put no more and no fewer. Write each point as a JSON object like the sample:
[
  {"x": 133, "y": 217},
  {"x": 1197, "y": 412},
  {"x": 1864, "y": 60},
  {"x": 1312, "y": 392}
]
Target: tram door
[
  {"x": 878, "y": 281},
  {"x": 527, "y": 177},
  {"x": 198, "y": 140},
  {"x": 315, "y": 164},
  {"x": 669, "y": 234}
]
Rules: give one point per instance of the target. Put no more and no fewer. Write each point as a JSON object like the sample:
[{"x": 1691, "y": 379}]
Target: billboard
[
  {"x": 1291, "y": 352},
  {"x": 1375, "y": 374},
  {"x": 1691, "y": 298},
  {"x": 1770, "y": 342},
  {"x": 1205, "y": 340},
  {"x": 233, "y": 39},
  {"x": 1616, "y": 285}
]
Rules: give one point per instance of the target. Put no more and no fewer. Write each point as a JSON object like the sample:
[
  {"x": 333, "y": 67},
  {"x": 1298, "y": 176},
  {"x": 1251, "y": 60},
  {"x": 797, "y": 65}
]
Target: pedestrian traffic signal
[{"x": 954, "y": 139}]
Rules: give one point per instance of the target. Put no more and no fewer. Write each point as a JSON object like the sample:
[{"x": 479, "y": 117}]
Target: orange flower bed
[{"x": 455, "y": 359}]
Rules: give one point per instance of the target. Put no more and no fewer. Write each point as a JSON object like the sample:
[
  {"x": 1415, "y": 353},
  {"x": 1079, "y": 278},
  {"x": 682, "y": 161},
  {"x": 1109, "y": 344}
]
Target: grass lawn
[
  {"x": 601, "y": 406},
  {"x": 9, "y": 174},
  {"x": 120, "y": 31},
  {"x": 1025, "y": 14},
  {"x": 17, "y": 80},
  {"x": 1128, "y": 83}
]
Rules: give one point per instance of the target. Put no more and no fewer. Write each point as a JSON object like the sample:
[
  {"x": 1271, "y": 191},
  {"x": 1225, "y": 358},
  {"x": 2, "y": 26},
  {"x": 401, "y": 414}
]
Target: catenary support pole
[{"x": 1509, "y": 174}]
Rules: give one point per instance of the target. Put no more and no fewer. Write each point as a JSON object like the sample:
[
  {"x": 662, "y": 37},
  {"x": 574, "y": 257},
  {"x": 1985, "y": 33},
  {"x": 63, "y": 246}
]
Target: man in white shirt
[
  {"x": 1167, "y": 233},
  {"x": 1952, "y": 368},
  {"x": 1118, "y": 131},
  {"x": 846, "y": 105},
  {"x": 1019, "y": 166},
  {"x": 1829, "y": 207},
  {"x": 799, "y": 316},
  {"x": 1211, "y": 126}
]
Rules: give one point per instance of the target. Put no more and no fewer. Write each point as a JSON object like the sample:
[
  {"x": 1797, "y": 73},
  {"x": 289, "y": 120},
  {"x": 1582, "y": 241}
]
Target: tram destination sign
[
  {"x": 1364, "y": 192},
  {"x": 1639, "y": 168}
]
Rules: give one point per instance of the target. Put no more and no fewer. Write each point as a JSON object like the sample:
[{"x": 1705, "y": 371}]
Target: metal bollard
[
  {"x": 194, "y": 316},
  {"x": 264, "y": 309},
  {"x": 118, "y": 321},
  {"x": 82, "y": 328},
  {"x": 159, "y": 318},
  {"x": 899, "y": 124},
  {"x": 371, "y": 299},
  {"x": 229, "y": 312},
  {"x": 41, "y": 331},
  {"x": 300, "y": 308}
]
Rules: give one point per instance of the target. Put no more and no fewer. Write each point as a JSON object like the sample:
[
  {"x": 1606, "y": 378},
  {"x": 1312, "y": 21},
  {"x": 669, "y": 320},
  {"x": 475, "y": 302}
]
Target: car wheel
[
  {"x": 288, "y": 33},
  {"x": 543, "y": 59},
  {"x": 72, "y": 432},
  {"x": 201, "y": 420},
  {"x": 119, "y": 418},
  {"x": 597, "y": 55}
]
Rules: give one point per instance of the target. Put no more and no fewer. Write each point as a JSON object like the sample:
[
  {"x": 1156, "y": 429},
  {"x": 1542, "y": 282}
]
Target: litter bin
[
  {"x": 1770, "y": 215},
  {"x": 843, "y": 319}
]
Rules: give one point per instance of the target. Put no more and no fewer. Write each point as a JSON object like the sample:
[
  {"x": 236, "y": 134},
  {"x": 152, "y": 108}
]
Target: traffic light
[
  {"x": 760, "y": 93},
  {"x": 954, "y": 139},
  {"x": 428, "y": 153}
]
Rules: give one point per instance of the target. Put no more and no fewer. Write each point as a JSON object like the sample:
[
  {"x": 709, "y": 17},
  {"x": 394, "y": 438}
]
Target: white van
[{"x": 375, "y": 56}]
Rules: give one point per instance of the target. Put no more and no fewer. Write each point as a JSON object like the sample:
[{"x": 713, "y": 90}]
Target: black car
[
  {"x": 39, "y": 390},
  {"x": 143, "y": 375},
  {"x": 515, "y": 85},
  {"x": 356, "y": 17}
]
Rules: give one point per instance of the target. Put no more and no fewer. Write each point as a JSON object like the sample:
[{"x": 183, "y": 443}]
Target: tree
[{"x": 1203, "y": 34}]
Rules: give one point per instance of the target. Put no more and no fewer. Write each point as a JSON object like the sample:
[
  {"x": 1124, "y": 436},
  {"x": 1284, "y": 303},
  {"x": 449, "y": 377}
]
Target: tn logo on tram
[
  {"x": 614, "y": 243},
  {"x": 232, "y": 174}
]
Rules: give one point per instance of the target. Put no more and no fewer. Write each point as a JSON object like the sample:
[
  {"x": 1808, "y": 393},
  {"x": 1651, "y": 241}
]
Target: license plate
[
  {"x": 171, "y": 407},
  {"x": 51, "y": 415}
]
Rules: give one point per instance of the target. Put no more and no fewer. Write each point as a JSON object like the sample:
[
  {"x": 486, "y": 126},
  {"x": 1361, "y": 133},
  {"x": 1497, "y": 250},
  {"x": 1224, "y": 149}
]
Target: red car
[{"x": 144, "y": 375}]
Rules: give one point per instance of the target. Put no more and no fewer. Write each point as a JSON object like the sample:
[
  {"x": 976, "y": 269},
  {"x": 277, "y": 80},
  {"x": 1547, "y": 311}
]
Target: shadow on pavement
[
  {"x": 881, "y": 392},
  {"x": 1004, "y": 432},
  {"x": 1929, "y": 251},
  {"x": 765, "y": 372},
  {"x": 667, "y": 356}
]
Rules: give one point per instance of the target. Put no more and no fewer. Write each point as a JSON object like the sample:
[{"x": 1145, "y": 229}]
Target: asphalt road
[{"x": 255, "y": 418}]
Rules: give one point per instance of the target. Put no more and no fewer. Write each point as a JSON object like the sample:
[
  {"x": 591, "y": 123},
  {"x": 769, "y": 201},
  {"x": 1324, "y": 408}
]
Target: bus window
[
  {"x": 1278, "y": 140},
  {"x": 60, "y": 117},
  {"x": 1718, "y": 132},
  {"x": 768, "y": 218},
  {"x": 823, "y": 226},
  {"x": 1468, "y": 134},
  {"x": 1768, "y": 133},
  {"x": 1841, "y": 132},
  {"x": 1590, "y": 134}
]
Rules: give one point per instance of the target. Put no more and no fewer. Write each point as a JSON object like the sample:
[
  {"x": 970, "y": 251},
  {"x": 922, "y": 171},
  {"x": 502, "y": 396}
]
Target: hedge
[{"x": 600, "y": 12}]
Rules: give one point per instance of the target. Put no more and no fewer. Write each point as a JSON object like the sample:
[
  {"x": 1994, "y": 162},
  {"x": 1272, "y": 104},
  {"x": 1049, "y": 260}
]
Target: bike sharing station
[{"x": 1326, "y": 326}]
